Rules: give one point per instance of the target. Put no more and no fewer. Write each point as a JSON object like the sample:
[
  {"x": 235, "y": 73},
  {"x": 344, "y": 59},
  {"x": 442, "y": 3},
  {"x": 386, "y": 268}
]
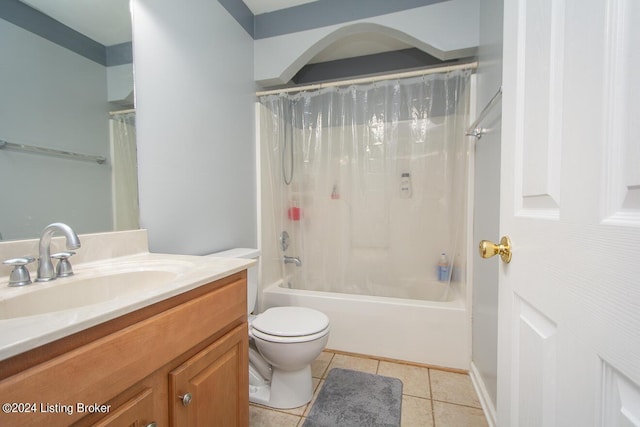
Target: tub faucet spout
[
  {"x": 45, "y": 266},
  {"x": 293, "y": 260}
]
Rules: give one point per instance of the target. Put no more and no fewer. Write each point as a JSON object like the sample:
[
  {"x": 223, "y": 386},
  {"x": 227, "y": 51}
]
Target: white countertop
[{"x": 19, "y": 334}]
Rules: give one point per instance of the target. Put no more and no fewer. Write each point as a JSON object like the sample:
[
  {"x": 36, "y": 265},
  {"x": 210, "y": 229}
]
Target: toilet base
[{"x": 288, "y": 389}]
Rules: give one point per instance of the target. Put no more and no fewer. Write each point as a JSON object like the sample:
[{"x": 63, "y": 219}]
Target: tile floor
[{"x": 431, "y": 397}]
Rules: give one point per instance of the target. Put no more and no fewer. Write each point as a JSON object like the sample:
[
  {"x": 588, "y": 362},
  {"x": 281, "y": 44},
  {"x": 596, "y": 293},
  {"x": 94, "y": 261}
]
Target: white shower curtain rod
[{"x": 372, "y": 79}]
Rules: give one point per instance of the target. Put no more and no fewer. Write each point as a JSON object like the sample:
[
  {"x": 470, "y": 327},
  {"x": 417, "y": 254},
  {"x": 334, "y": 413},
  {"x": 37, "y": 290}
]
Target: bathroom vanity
[{"x": 172, "y": 356}]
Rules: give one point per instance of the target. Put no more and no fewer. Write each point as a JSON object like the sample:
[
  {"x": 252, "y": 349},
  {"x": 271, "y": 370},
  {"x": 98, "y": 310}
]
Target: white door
[{"x": 569, "y": 303}]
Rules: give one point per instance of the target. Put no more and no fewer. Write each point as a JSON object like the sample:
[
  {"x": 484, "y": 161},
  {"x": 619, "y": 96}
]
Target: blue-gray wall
[
  {"x": 56, "y": 85},
  {"x": 36, "y": 22},
  {"x": 195, "y": 126},
  {"x": 316, "y": 14},
  {"x": 194, "y": 93},
  {"x": 446, "y": 30},
  {"x": 194, "y": 69},
  {"x": 194, "y": 88},
  {"x": 54, "y": 98},
  {"x": 286, "y": 39},
  {"x": 487, "y": 200}
]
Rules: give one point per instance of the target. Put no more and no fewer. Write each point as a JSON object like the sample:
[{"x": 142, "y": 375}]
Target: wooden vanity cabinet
[{"x": 180, "y": 362}]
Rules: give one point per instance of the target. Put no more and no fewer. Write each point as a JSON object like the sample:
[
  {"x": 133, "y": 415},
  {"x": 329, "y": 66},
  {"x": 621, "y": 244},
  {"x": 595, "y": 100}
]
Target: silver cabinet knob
[
  {"x": 20, "y": 275},
  {"x": 152, "y": 424},
  {"x": 186, "y": 399},
  {"x": 63, "y": 269}
]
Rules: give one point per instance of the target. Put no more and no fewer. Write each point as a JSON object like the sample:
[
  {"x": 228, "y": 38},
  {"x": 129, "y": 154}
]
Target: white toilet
[{"x": 287, "y": 340}]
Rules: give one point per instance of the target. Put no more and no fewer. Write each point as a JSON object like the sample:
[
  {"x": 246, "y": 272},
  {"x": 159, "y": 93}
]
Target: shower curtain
[
  {"x": 124, "y": 172},
  {"x": 369, "y": 181}
]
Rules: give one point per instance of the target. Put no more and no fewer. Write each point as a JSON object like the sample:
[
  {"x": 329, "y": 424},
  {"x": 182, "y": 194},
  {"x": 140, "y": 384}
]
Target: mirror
[{"x": 66, "y": 65}]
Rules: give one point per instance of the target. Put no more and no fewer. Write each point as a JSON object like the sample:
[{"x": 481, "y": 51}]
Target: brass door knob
[{"x": 489, "y": 249}]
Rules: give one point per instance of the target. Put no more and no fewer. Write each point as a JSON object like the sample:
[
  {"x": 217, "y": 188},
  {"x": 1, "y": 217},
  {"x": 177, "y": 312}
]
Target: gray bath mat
[{"x": 356, "y": 399}]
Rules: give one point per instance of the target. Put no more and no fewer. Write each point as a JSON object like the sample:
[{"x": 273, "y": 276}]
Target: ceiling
[
  {"x": 263, "y": 6},
  {"x": 108, "y": 22}
]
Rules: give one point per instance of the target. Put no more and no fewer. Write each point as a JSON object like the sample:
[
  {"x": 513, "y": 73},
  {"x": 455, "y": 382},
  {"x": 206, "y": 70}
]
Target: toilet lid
[{"x": 290, "y": 321}]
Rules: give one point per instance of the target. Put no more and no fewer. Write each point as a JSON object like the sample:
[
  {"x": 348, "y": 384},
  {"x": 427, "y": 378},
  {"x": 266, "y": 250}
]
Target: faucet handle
[
  {"x": 19, "y": 275},
  {"x": 63, "y": 269}
]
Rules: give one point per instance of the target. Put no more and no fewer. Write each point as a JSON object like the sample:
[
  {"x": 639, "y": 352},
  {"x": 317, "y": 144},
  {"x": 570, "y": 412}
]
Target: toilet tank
[{"x": 252, "y": 272}]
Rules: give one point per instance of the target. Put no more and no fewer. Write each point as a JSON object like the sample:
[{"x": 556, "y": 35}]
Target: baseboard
[
  {"x": 400, "y": 361},
  {"x": 483, "y": 395}
]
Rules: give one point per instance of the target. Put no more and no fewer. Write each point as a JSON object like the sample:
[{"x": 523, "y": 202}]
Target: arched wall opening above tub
[
  {"x": 364, "y": 54},
  {"x": 446, "y": 31}
]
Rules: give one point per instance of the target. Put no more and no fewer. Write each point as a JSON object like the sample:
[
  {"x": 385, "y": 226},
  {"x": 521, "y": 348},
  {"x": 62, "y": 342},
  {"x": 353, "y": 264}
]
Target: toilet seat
[
  {"x": 290, "y": 324},
  {"x": 289, "y": 340}
]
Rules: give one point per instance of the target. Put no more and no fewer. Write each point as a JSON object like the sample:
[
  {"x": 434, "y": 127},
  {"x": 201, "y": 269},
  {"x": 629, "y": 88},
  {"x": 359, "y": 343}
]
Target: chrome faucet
[
  {"x": 45, "y": 266},
  {"x": 293, "y": 260}
]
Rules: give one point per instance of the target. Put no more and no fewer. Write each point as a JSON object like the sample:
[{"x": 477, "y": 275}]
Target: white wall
[
  {"x": 51, "y": 97},
  {"x": 487, "y": 201},
  {"x": 446, "y": 30},
  {"x": 193, "y": 67}
]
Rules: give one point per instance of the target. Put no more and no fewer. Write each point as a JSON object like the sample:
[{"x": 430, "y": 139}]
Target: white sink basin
[
  {"x": 82, "y": 290},
  {"x": 115, "y": 274}
]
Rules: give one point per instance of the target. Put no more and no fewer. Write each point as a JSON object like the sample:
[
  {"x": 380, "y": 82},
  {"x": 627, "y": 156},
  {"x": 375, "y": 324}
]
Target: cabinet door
[
  {"x": 212, "y": 388},
  {"x": 136, "y": 412}
]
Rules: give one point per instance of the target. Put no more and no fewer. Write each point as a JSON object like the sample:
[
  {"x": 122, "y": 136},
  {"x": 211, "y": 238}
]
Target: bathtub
[{"x": 434, "y": 333}]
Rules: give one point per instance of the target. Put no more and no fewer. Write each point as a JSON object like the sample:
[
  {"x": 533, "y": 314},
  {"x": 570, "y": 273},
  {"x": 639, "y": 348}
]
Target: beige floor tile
[
  {"x": 352, "y": 362},
  {"x": 448, "y": 415},
  {"x": 416, "y": 412},
  {"x": 455, "y": 401},
  {"x": 299, "y": 411},
  {"x": 415, "y": 380},
  {"x": 262, "y": 417},
  {"x": 295, "y": 411},
  {"x": 319, "y": 366},
  {"x": 315, "y": 395},
  {"x": 453, "y": 388}
]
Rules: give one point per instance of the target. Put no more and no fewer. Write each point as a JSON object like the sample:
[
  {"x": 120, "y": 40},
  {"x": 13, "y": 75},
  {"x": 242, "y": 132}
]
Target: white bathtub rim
[{"x": 457, "y": 303}]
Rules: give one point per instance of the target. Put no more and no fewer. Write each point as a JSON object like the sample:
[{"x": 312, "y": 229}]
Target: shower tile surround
[{"x": 431, "y": 397}]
